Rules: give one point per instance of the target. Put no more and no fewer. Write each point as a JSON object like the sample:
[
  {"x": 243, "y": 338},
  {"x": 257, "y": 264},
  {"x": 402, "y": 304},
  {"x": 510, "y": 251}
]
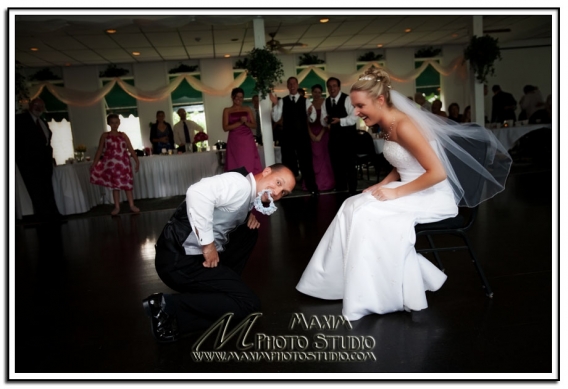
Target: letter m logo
[{"x": 221, "y": 326}]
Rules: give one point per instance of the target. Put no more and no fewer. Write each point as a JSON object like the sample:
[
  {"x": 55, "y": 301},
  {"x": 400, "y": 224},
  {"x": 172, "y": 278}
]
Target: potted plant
[
  {"x": 265, "y": 68},
  {"x": 369, "y": 57},
  {"x": 22, "y": 92},
  {"x": 427, "y": 52},
  {"x": 183, "y": 68},
  {"x": 310, "y": 59},
  {"x": 482, "y": 52},
  {"x": 112, "y": 71}
]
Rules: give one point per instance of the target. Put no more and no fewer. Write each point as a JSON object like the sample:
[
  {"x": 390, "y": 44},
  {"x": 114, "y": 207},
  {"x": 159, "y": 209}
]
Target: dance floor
[{"x": 79, "y": 287}]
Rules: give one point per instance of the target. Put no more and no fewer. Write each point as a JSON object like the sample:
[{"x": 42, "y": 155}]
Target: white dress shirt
[
  {"x": 277, "y": 109},
  {"x": 179, "y": 134},
  {"x": 348, "y": 120},
  {"x": 226, "y": 192}
]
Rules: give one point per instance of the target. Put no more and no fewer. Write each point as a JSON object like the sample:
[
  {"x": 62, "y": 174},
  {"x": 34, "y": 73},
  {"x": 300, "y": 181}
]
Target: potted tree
[
  {"x": 267, "y": 70},
  {"x": 482, "y": 52}
]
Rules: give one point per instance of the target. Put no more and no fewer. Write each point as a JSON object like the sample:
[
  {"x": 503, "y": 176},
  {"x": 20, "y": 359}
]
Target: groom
[{"x": 204, "y": 247}]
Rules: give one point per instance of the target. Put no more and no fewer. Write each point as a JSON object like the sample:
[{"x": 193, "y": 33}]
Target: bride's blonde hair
[{"x": 375, "y": 82}]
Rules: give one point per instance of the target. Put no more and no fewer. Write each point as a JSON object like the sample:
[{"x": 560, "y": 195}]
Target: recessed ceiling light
[
  {"x": 408, "y": 30},
  {"x": 227, "y": 55},
  {"x": 34, "y": 49},
  {"x": 135, "y": 53},
  {"x": 324, "y": 20},
  {"x": 111, "y": 31},
  {"x": 455, "y": 35},
  {"x": 380, "y": 45},
  {"x": 305, "y": 45},
  {"x": 67, "y": 64}
]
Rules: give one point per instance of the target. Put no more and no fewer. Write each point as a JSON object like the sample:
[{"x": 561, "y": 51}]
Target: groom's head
[{"x": 278, "y": 179}]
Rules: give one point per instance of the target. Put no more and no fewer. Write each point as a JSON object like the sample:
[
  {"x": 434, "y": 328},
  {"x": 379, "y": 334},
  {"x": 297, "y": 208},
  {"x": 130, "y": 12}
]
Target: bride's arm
[
  {"x": 392, "y": 176},
  {"x": 409, "y": 137}
]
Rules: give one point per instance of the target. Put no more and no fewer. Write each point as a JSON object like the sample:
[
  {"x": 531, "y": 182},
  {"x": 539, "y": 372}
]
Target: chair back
[{"x": 364, "y": 143}]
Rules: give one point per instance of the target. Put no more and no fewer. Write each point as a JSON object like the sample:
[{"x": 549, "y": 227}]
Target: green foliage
[
  {"x": 22, "y": 92},
  {"x": 310, "y": 59},
  {"x": 112, "y": 71},
  {"x": 265, "y": 68},
  {"x": 183, "y": 68},
  {"x": 44, "y": 74},
  {"x": 427, "y": 52},
  {"x": 369, "y": 56},
  {"x": 482, "y": 52},
  {"x": 241, "y": 64}
]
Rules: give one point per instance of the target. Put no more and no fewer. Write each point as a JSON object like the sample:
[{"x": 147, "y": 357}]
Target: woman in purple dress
[
  {"x": 320, "y": 138},
  {"x": 239, "y": 122}
]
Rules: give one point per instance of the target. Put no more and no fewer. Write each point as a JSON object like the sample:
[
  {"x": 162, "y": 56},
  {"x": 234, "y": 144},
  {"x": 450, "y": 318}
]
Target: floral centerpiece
[
  {"x": 200, "y": 140},
  {"x": 80, "y": 152}
]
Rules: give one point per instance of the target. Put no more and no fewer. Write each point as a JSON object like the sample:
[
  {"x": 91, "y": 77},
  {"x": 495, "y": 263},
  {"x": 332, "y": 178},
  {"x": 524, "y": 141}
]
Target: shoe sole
[{"x": 148, "y": 312}]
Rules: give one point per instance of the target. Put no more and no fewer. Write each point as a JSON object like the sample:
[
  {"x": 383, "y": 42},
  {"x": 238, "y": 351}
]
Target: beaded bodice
[{"x": 407, "y": 166}]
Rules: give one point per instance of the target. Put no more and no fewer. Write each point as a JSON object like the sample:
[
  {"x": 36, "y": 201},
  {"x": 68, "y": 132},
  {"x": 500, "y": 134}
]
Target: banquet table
[
  {"x": 158, "y": 176},
  {"x": 508, "y": 136}
]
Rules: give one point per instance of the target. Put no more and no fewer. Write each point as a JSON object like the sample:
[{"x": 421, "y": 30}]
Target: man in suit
[
  {"x": 295, "y": 142},
  {"x": 184, "y": 131},
  {"x": 503, "y": 106},
  {"x": 337, "y": 113},
  {"x": 34, "y": 158},
  {"x": 204, "y": 247}
]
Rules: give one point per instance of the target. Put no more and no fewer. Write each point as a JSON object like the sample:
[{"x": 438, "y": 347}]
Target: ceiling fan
[{"x": 273, "y": 44}]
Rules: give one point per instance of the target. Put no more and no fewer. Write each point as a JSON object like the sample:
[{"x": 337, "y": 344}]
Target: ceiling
[{"x": 75, "y": 40}]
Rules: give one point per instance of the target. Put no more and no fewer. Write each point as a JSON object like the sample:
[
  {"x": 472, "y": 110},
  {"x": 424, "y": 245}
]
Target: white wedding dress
[{"x": 367, "y": 255}]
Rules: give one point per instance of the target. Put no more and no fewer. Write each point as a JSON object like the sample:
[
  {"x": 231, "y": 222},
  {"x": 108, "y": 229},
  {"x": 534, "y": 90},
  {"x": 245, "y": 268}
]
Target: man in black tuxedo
[
  {"x": 337, "y": 113},
  {"x": 34, "y": 158}
]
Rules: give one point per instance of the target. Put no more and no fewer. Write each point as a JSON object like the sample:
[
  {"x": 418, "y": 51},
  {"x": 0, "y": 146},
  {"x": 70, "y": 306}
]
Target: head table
[{"x": 158, "y": 176}]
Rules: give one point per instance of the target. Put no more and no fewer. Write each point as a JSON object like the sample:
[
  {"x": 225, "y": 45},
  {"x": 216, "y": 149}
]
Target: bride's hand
[
  {"x": 384, "y": 194},
  {"x": 372, "y": 188}
]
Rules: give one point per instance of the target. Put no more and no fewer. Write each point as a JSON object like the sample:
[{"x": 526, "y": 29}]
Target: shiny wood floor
[{"x": 79, "y": 288}]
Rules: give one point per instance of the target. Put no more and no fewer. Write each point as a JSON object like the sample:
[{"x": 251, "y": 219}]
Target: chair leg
[
  {"x": 488, "y": 290},
  {"x": 432, "y": 246}
]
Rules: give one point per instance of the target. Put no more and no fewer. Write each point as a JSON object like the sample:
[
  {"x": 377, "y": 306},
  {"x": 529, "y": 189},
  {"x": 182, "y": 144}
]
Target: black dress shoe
[{"x": 164, "y": 327}]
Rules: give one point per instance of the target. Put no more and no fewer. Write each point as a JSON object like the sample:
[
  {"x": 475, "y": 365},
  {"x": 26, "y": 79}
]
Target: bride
[{"x": 367, "y": 255}]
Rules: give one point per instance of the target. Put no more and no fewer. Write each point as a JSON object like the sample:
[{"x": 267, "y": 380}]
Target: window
[
  {"x": 121, "y": 103},
  {"x": 57, "y": 118},
  {"x": 190, "y": 99},
  {"x": 311, "y": 79},
  {"x": 428, "y": 83}
]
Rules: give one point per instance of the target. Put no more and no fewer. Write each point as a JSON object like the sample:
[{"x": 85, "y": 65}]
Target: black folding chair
[
  {"x": 459, "y": 225},
  {"x": 365, "y": 151}
]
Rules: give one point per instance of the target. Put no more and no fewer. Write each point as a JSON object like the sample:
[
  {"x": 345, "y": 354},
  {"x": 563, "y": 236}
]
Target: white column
[
  {"x": 265, "y": 104},
  {"x": 478, "y": 104}
]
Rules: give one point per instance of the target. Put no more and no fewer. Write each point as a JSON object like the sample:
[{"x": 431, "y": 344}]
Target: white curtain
[
  {"x": 61, "y": 141},
  {"x": 82, "y": 98},
  {"x": 131, "y": 127}
]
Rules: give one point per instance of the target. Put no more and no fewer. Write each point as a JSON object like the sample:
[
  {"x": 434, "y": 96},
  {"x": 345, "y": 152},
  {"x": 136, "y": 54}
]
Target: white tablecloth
[
  {"x": 508, "y": 136},
  {"x": 159, "y": 176}
]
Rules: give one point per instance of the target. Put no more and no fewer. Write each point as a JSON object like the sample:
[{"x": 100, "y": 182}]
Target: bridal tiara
[{"x": 369, "y": 77}]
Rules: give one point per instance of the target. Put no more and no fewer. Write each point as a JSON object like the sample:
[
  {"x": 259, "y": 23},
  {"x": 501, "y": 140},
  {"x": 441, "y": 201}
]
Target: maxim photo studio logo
[{"x": 323, "y": 346}]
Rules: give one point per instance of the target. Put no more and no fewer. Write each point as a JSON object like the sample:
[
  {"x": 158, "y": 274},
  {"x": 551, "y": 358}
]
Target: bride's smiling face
[{"x": 366, "y": 107}]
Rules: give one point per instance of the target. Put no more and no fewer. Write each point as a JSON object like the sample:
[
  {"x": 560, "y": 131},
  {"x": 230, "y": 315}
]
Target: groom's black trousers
[{"x": 206, "y": 294}]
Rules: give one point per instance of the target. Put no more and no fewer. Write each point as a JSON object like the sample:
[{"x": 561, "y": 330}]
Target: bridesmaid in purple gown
[
  {"x": 320, "y": 138},
  {"x": 239, "y": 122}
]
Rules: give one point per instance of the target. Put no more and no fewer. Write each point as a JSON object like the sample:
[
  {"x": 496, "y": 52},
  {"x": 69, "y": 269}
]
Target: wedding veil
[{"x": 476, "y": 163}]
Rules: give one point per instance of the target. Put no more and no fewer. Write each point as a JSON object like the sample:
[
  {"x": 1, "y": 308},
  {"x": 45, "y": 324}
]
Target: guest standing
[
  {"x": 454, "y": 113},
  {"x": 112, "y": 168},
  {"x": 437, "y": 108},
  {"x": 34, "y": 158},
  {"x": 239, "y": 122},
  {"x": 161, "y": 134},
  {"x": 320, "y": 140},
  {"x": 295, "y": 141},
  {"x": 184, "y": 131},
  {"x": 503, "y": 106},
  {"x": 337, "y": 113}
]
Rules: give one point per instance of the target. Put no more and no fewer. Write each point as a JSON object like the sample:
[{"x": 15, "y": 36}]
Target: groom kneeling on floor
[{"x": 204, "y": 247}]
